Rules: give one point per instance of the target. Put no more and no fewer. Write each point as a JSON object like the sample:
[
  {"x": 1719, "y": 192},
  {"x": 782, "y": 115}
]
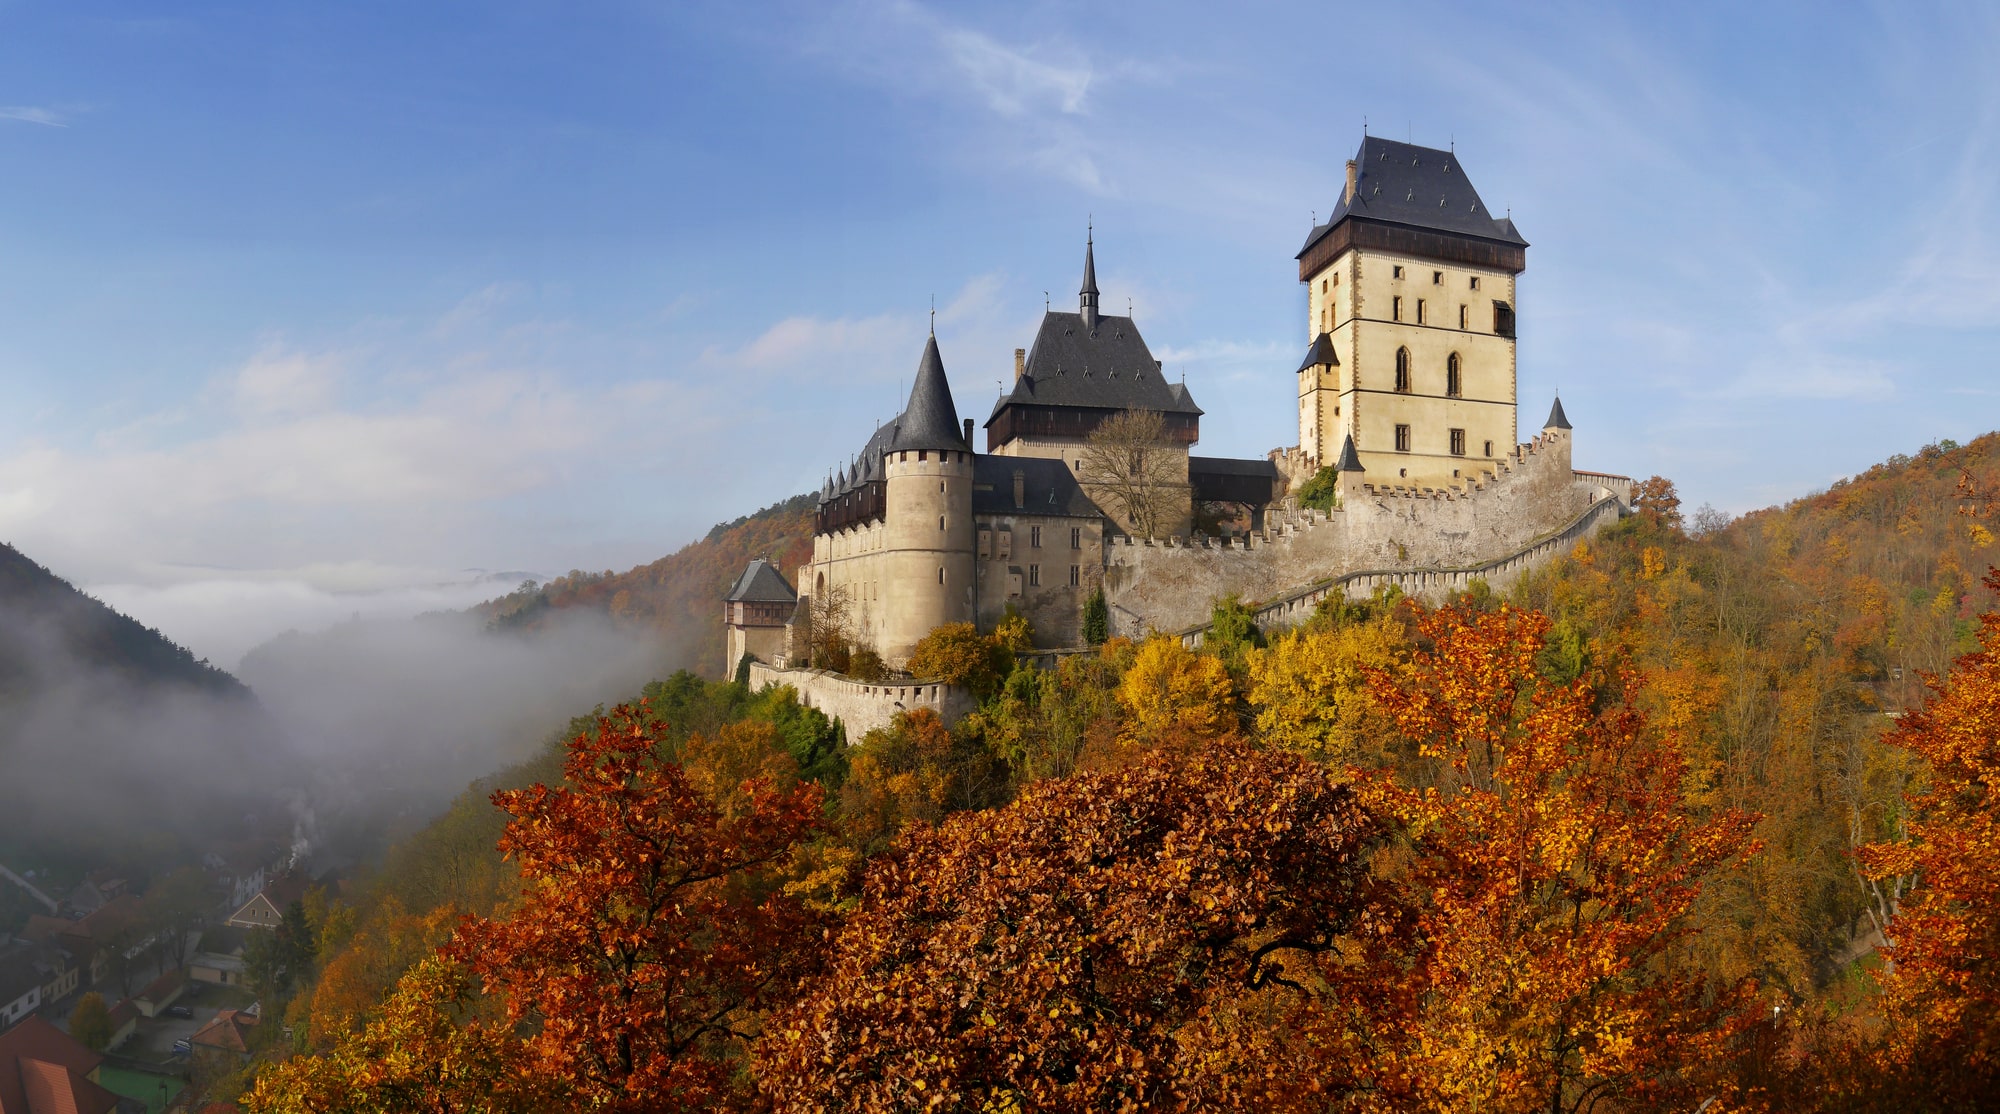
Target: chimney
[
  {"x": 1349, "y": 195},
  {"x": 1020, "y": 489},
  {"x": 968, "y": 433},
  {"x": 1020, "y": 363}
]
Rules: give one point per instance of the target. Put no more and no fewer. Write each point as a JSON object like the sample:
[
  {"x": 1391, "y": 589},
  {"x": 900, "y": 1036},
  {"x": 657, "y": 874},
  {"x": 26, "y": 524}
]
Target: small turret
[
  {"x": 1350, "y": 461},
  {"x": 1088, "y": 295},
  {"x": 1557, "y": 419}
]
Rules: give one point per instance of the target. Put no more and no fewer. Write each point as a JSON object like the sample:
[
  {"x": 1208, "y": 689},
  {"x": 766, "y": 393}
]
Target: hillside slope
[
  {"x": 678, "y": 597},
  {"x": 49, "y": 623},
  {"x": 116, "y": 745}
]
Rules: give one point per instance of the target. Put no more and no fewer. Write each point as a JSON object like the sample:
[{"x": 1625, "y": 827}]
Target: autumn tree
[
  {"x": 651, "y": 929},
  {"x": 1131, "y": 463},
  {"x": 916, "y": 768},
  {"x": 957, "y": 654},
  {"x": 1198, "y": 931},
  {"x": 90, "y": 1022},
  {"x": 1172, "y": 694},
  {"x": 1308, "y": 689},
  {"x": 1941, "y": 990},
  {"x": 422, "y": 1052},
  {"x": 1096, "y": 618},
  {"x": 1555, "y": 862},
  {"x": 830, "y": 628}
]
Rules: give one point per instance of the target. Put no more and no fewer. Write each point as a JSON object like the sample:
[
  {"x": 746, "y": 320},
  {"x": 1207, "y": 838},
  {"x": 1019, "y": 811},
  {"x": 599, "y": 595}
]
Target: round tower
[{"x": 928, "y": 535}]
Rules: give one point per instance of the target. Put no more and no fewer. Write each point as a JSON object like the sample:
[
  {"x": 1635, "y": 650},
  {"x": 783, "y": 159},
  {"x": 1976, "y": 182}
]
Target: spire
[
  {"x": 1557, "y": 419},
  {"x": 930, "y": 421},
  {"x": 1350, "y": 461},
  {"x": 1088, "y": 294}
]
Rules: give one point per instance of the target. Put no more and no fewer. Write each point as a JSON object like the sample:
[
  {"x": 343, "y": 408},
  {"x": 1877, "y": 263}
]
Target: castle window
[
  {"x": 1075, "y": 575},
  {"x": 1322, "y": 319},
  {"x": 1475, "y": 282},
  {"x": 1402, "y": 438},
  {"x": 1451, "y": 382},
  {"x": 1396, "y": 307},
  {"x": 1403, "y": 370},
  {"x": 1458, "y": 442},
  {"x": 940, "y": 522},
  {"x": 1503, "y": 319},
  {"x": 1395, "y": 272},
  {"x": 1421, "y": 316},
  {"x": 1464, "y": 315},
  {"x": 1076, "y": 537},
  {"x": 940, "y": 574},
  {"x": 940, "y": 487},
  {"x": 1322, "y": 286},
  {"x": 1034, "y": 576},
  {"x": 1489, "y": 448},
  {"x": 1034, "y": 537},
  {"x": 1437, "y": 278}
]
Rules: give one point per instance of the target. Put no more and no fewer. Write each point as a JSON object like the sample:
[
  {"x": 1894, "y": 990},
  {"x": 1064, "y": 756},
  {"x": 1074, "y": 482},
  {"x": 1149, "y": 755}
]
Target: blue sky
[{"x": 308, "y": 310}]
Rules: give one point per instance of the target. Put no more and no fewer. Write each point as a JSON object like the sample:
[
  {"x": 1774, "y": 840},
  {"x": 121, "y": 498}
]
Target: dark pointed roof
[
  {"x": 1048, "y": 487},
  {"x": 1420, "y": 187},
  {"x": 1321, "y": 353},
  {"x": 1109, "y": 368},
  {"x": 1557, "y": 419},
  {"x": 930, "y": 420},
  {"x": 761, "y": 582},
  {"x": 1350, "y": 461},
  {"x": 1089, "y": 268}
]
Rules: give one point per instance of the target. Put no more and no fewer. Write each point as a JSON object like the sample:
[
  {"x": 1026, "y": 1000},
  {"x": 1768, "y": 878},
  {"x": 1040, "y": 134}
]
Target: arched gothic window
[
  {"x": 1403, "y": 370},
  {"x": 1452, "y": 386}
]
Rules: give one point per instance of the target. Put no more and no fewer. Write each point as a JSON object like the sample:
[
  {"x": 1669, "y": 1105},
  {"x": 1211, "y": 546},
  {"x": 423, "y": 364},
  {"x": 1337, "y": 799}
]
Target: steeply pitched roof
[
  {"x": 1421, "y": 187},
  {"x": 1350, "y": 461},
  {"x": 1557, "y": 419},
  {"x": 1321, "y": 353},
  {"x": 1110, "y": 369},
  {"x": 761, "y": 582},
  {"x": 930, "y": 420},
  {"x": 1089, "y": 269},
  {"x": 43, "y": 1068},
  {"x": 1047, "y": 488}
]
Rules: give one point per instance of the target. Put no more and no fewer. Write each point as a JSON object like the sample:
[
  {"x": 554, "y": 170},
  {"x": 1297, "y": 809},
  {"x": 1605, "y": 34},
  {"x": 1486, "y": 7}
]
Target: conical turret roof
[
  {"x": 1350, "y": 461},
  {"x": 930, "y": 421},
  {"x": 1557, "y": 419}
]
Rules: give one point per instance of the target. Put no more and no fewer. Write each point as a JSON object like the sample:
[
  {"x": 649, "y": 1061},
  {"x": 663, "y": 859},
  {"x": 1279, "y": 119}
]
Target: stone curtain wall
[
  {"x": 860, "y": 706},
  {"x": 1172, "y": 585}
]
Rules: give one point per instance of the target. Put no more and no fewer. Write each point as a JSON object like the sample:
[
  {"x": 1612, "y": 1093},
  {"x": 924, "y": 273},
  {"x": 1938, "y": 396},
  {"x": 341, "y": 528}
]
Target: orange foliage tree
[
  {"x": 1196, "y": 931},
  {"x": 652, "y": 928},
  {"x": 1941, "y": 997},
  {"x": 418, "y": 1054},
  {"x": 1554, "y": 863}
]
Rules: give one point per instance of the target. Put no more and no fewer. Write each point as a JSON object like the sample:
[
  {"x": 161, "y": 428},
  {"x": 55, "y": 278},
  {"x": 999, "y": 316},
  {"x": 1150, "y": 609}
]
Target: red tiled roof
[
  {"x": 52, "y": 1090},
  {"x": 230, "y": 1031},
  {"x": 35, "y": 1041},
  {"x": 160, "y": 989}
]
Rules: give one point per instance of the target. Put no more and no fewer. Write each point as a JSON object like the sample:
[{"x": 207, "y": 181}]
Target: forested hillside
[
  {"x": 50, "y": 626},
  {"x": 679, "y": 596},
  {"x": 1628, "y": 839}
]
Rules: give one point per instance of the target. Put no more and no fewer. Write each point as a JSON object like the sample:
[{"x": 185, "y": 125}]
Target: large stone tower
[
  {"x": 893, "y": 538},
  {"x": 929, "y": 539},
  {"x": 1411, "y": 321}
]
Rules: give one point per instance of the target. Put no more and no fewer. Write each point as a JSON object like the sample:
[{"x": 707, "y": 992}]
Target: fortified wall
[
  {"x": 1533, "y": 496},
  {"x": 862, "y": 706}
]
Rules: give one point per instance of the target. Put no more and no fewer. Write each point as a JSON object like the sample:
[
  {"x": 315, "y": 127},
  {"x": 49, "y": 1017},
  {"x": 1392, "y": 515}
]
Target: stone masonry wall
[
  {"x": 858, "y": 705},
  {"x": 1172, "y": 585}
]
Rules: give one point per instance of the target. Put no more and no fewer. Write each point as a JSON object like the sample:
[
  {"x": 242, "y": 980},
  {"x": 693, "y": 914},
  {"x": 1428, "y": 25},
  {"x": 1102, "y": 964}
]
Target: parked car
[
  {"x": 183, "y": 1048},
  {"x": 181, "y": 1012}
]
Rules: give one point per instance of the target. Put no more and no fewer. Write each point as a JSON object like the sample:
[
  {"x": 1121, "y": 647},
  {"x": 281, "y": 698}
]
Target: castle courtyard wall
[
  {"x": 862, "y": 706},
  {"x": 1173, "y": 585}
]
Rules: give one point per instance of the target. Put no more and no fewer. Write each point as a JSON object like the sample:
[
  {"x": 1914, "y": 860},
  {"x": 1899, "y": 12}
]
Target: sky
[{"x": 315, "y": 310}]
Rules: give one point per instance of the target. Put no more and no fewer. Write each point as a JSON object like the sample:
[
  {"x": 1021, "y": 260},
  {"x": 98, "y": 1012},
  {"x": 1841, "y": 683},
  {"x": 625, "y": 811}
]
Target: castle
[{"x": 1406, "y": 398}]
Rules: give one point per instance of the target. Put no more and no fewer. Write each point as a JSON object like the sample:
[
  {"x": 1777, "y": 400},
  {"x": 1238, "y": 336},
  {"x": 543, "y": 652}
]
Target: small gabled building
[
  {"x": 267, "y": 908},
  {"x": 755, "y": 614},
  {"x": 44, "y": 1070}
]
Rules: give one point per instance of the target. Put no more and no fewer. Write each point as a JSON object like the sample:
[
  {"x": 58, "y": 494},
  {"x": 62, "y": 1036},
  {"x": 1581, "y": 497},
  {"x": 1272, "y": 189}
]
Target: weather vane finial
[{"x": 934, "y": 315}]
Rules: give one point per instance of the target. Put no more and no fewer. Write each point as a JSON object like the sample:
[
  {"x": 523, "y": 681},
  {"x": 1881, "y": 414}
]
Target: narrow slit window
[
  {"x": 1403, "y": 370},
  {"x": 1452, "y": 385}
]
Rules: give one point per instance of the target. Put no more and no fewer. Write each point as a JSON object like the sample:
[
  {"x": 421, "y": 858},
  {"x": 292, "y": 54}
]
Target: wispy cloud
[{"x": 30, "y": 114}]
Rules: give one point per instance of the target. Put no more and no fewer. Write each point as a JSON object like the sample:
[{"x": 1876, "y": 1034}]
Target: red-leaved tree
[{"x": 652, "y": 930}]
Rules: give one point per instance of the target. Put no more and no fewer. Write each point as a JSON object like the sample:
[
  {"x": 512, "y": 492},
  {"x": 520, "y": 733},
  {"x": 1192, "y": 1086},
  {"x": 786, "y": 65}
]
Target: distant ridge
[
  {"x": 678, "y": 596},
  {"x": 43, "y": 616}
]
